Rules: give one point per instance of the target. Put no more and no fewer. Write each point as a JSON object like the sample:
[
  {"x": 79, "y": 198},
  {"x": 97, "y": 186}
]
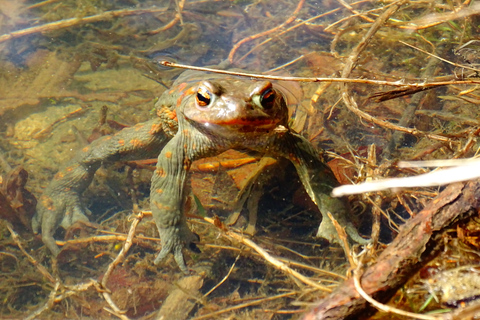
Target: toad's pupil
[
  {"x": 203, "y": 98},
  {"x": 268, "y": 98}
]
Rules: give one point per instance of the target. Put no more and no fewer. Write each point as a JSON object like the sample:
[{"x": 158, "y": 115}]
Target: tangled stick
[
  {"x": 60, "y": 291},
  {"x": 303, "y": 22},
  {"x": 351, "y": 63},
  {"x": 265, "y": 33},
  {"x": 32, "y": 260},
  {"x": 264, "y": 254},
  {"x": 120, "y": 257},
  {"x": 417, "y": 243}
]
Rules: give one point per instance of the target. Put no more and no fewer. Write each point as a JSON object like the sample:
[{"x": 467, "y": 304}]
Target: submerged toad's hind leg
[
  {"x": 60, "y": 204},
  {"x": 319, "y": 180}
]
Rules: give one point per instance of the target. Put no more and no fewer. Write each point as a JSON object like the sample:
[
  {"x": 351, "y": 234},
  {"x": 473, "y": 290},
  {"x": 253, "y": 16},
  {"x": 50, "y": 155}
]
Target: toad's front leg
[{"x": 166, "y": 199}]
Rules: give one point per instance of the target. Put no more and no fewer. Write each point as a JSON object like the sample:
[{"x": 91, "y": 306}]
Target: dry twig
[
  {"x": 466, "y": 172},
  {"x": 350, "y": 65}
]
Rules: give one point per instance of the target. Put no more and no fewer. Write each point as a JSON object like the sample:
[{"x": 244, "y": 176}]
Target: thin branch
[{"x": 314, "y": 79}]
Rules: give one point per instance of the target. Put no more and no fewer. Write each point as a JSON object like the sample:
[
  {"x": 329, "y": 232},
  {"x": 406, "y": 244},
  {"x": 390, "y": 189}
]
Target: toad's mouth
[{"x": 245, "y": 125}]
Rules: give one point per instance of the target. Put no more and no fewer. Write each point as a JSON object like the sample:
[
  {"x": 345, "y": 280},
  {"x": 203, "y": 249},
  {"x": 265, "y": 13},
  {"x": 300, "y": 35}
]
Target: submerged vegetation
[{"x": 73, "y": 71}]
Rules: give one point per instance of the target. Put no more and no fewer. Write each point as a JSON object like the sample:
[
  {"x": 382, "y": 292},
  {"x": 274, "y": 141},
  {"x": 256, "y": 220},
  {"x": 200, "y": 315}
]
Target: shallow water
[{"x": 60, "y": 77}]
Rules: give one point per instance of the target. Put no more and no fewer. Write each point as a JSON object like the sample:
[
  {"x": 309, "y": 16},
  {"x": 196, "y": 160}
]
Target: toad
[{"x": 200, "y": 116}]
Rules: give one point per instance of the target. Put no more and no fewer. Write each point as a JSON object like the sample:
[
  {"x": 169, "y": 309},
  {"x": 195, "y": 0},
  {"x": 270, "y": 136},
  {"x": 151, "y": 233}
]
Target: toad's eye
[
  {"x": 203, "y": 97},
  {"x": 268, "y": 99}
]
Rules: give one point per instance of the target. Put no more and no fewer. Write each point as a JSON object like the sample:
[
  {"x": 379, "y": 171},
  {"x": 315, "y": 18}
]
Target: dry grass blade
[
  {"x": 243, "y": 305},
  {"x": 271, "y": 259},
  {"x": 384, "y": 307},
  {"x": 464, "y": 66},
  {"x": 438, "y": 18},
  {"x": 224, "y": 278},
  {"x": 344, "y": 240}
]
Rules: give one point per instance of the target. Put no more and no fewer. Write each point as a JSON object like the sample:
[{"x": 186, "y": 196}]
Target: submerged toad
[{"x": 196, "y": 119}]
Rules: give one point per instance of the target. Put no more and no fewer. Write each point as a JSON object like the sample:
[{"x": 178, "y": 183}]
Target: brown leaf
[{"x": 17, "y": 204}]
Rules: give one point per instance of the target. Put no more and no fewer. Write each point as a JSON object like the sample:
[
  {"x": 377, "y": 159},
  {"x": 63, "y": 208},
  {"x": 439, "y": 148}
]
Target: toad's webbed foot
[
  {"x": 327, "y": 231},
  {"x": 319, "y": 180},
  {"x": 339, "y": 210},
  {"x": 57, "y": 208},
  {"x": 174, "y": 239}
]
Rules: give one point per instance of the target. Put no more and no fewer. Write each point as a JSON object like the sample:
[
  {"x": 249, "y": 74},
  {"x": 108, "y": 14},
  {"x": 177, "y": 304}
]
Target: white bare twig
[{"x": 468, "y": 171}]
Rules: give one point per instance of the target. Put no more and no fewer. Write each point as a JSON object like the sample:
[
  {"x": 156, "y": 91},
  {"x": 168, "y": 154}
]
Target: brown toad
[{"x": 202, "y": 115}]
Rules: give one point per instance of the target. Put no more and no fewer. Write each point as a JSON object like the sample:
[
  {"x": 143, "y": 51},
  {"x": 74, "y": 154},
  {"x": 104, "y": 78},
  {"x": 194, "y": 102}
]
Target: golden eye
[
  {"x": 203, "y": 97},
  {"x": 268, "y": 99}
]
